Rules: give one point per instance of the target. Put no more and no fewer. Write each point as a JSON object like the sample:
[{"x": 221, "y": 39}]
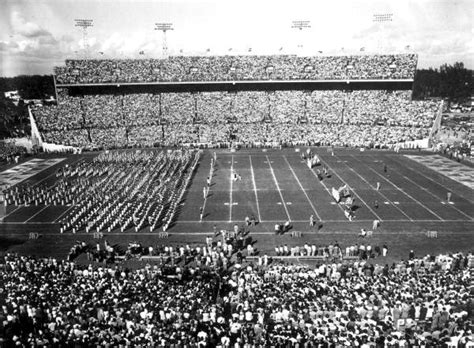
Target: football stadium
[{"x": 247, "y": 200}]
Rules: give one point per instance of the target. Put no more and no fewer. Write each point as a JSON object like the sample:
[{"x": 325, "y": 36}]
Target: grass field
[{"x": 277, "y": 186}]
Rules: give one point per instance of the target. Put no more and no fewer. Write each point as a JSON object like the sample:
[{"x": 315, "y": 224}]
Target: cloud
[
  {"x": 117, "y": 45},
  {"x": 30, "y": 40},
  {"x": 27, "y": 29},
  {"x": 8, "y": 45}
]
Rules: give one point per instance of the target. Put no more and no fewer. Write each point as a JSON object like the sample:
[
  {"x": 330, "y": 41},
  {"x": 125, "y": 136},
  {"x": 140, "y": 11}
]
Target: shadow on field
[{"x": 7, "y": 242}]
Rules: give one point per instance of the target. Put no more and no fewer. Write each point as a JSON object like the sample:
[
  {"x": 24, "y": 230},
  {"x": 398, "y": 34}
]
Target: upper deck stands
[{"x": 238, "y": 68}]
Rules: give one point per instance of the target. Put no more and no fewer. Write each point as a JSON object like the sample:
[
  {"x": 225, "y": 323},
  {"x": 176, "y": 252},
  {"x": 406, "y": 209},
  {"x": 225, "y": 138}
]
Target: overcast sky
[{"x": 37, "y": 35}]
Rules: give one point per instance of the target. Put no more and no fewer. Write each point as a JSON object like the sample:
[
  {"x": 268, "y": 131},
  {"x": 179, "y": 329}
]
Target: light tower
[
  {"x": 164, "y": 27},
  {"x": 300, "y": 25},
  {"x": 84, "y": 24},
  {"x": 381, "y": 18}
]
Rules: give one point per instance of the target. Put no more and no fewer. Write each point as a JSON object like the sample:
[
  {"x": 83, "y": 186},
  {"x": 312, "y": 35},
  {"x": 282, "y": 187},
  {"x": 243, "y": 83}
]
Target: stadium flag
[
  {"x": 208, "y": 50},
  {"x": 230, "y": 49},
  {"x": 336, "y": 195},
  {"x": 141, "y": 52},
  {"x": 407, "y": 47},
  {"x": 320, "y": 51},
  {"x": 362, "y": 49},
  {"x": 101, "y": 53},
  {"x": 250, "y": 49},
  {"x": 281, "y": 48}
]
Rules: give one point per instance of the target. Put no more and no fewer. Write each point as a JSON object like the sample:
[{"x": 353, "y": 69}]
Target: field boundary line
[
  {"x": 255, "y": 188},
  {"x": 278, "y": 188},
  {"x": 335, "y": 173},
  {"x": 266, "y": 221},
  {"x": 405, "y": 193},
  {"x": 342, "y": 220},
  {"x": 302, "y": 188},
  {"x": 354, "y": 233}
]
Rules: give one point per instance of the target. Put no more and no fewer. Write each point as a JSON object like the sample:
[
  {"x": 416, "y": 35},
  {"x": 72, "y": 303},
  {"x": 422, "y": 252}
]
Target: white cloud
[
  {"x": 439, "y": 31},
  {"x": 8, "y": 45},
  {"x": 27, "y": 29}
]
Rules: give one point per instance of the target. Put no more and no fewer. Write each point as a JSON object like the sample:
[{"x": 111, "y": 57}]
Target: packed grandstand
[
  {"x": 417, "y": 303},
  {"x": 374, "y": 115},
  {"x": 235, "y": 68}
]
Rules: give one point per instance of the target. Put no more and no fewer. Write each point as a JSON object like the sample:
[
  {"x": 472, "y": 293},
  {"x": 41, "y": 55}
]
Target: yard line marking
[
  {"x": 368, "y": 206},
  {"x": 425, "y": 189},
  {"x": 60, "y": 216},
  {"x": 194, "y": 233},
  {"x": 407, "y": 194},
  {"x": 32, "y": 216},
  {"x": 431, "y": 193},
  {"x": 255, "y": 188},
  {"x": 329, "y": 192},
  {"x": 208, "y": 188},
  {"x": 302, "y": 188},
  {"x": 278, "y": 188},
  {"x": 14, "y": 210},
  {"x": 380, "y": 193},
  {"x": 345, "y": 220},
  {"x": 231, "y": 184},
  {"x": 27, "y": 223}
]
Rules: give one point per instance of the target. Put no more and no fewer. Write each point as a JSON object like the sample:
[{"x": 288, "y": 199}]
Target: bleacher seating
[
  {"x": 256, "y": 118},
  {"x": 237, "y": 68}
]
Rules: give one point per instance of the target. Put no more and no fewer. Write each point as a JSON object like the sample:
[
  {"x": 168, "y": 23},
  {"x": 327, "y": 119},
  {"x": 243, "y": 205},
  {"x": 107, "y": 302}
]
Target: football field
[{"x": 277, "y": 186}]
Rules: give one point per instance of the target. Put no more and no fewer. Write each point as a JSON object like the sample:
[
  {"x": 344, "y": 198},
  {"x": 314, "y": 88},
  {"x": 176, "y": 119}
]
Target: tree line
[
  {"x": 450, "y": 82},
  {"x": 29, "y": 87}
]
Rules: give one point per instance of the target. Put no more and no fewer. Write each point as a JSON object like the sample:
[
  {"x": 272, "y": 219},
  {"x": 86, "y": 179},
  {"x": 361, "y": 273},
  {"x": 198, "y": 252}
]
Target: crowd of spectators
[
  {"x": 11, "y": 153},
  {"x": 237, "y": 68},
  {"x": 393, "y": 108},
  {"x": 73, "y": 137},
  {"x": 250, "y": 118},
  {"x": 332, "y": 251},
  {"x": 141, "y": 109},
  {"x": 455, "y": 140},
  {"x": 67, "y": 115},
  {"x": 418, "y": 302}
]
